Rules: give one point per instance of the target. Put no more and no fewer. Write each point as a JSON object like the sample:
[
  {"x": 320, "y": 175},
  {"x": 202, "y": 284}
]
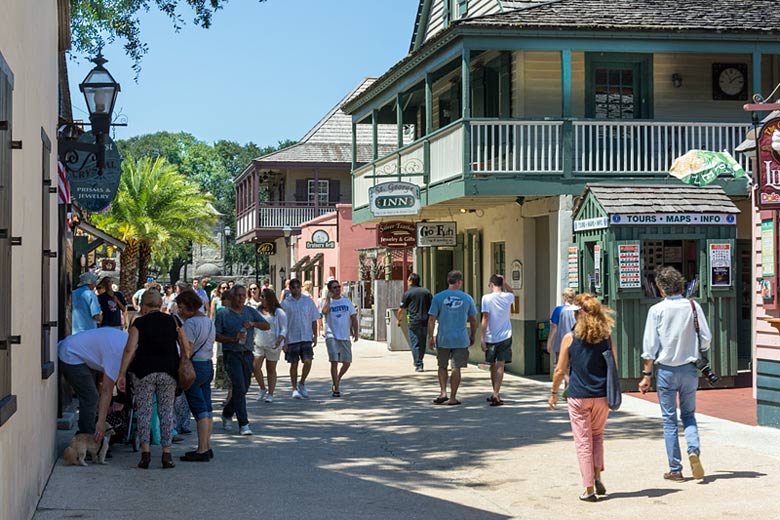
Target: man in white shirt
[
  {"x": 672, "y": 343},
  {"x": 302, "y": 318},
  {"x": 341, "y": 322},
  {"x": 100, "y": 350},
  {"x": 497, "y": 332}
]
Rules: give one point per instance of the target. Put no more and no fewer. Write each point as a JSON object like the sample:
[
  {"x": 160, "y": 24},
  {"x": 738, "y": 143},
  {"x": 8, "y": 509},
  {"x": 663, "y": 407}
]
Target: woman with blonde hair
[{"x": 582, "y": 351}]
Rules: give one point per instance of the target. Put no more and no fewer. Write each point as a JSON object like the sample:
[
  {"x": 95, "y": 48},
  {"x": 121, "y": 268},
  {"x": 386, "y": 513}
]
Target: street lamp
[
  {"x": 287, "y": 230},
  {"x": 226, "y": 252}
]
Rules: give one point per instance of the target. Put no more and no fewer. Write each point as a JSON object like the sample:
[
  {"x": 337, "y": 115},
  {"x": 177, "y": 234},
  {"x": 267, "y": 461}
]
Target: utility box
[{"x": 397, "y": 337}]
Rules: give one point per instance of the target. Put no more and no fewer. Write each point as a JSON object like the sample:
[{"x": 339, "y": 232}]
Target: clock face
[{"x": 731, "y": 81}]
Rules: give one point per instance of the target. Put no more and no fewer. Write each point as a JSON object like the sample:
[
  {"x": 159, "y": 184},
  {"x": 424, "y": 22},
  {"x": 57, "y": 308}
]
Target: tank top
[
  {"x": 588, "y": 369},
  {"x": 157, "y": 348}
]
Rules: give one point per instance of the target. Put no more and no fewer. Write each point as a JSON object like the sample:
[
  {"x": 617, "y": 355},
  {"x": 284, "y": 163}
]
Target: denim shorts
[
  {"x": 301, "y": 351},
  {"x": 339, "y": 350},
  {"x": 199, "y": 394}
]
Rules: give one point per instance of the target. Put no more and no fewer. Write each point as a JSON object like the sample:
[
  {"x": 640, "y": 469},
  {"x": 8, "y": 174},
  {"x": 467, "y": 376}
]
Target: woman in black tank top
[{"x": 582, "y": 355}]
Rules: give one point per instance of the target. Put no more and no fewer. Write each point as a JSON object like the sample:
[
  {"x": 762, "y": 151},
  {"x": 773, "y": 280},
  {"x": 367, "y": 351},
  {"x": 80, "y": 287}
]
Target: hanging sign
[
  {"x": 629, "y": 274},
  {"x": 768, "y": 146},
  {"x": 590, "y": 223},
  {"x": 108, "y": 264},
  {"x": 655, "y": 219},
  {"x": 394, "y": 199},
  {"x": 320, "y": 240},
  {"x": 431, "y": 234},
  {"x": 396, "y": 234},
  {"x": 516, "y": 275},
  {"x": 573, "y": 272},
  {"x": 266, "y": 248},
  {"x": 92, "y": 190},
  {"x": 720, "y": 265}
]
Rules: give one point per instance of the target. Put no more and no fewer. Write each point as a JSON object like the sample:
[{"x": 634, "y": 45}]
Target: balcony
[
  {"x": 269, "y": 219},
  {"x": 548, "y": 150}
]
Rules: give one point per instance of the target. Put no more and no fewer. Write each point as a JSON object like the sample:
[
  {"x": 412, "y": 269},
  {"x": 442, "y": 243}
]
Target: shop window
[
  {"x": 47, "y": 366},
  {"x": 680, "y": 254}
]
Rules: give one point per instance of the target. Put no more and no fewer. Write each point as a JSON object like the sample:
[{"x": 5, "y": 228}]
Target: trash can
[{"x": 397, "y": 337}]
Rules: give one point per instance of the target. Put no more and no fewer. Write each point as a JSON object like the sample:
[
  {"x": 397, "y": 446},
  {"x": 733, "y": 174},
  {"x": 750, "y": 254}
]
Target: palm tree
[{"x": 156, "y": 209}]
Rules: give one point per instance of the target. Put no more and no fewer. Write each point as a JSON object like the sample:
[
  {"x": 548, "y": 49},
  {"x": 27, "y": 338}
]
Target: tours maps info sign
[{"x": 93, "y": 190}]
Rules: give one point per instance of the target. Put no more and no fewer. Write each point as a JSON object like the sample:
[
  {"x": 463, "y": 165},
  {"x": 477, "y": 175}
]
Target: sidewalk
[{"x": 385, "y": 451}]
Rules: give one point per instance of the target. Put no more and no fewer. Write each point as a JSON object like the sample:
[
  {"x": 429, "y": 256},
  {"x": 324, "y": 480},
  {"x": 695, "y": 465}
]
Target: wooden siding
[
  {"x": 475, "y": 8},
  {"x": 537, "y": 84}
]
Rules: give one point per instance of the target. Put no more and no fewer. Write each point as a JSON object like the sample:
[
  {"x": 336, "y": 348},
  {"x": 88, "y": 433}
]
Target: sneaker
[
  {"x": 269, "y": 398},
  {"x": 227, "y": 423},
  {"x": 245, "y": 430},
  {"x": 419, "y": 369},
  {"x": 676, "y": 476},
  {"x": 698, "y": 470},
  {"x": 261, "y": 395},
  {"x": 303, "y": 391},
  {"x": 296, "y": 395}
]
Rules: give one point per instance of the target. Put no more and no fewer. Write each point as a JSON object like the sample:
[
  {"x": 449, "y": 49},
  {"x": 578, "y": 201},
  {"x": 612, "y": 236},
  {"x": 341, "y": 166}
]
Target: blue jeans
[
  {"x": 418, "y": 334},
  {"x": 199, "y": 394},
  {"x": 239, "y": 367},
  {"x": 671, "y": 381}
]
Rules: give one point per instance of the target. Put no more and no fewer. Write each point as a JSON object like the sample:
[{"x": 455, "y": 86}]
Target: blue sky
[{"x": 264, "y": 72}]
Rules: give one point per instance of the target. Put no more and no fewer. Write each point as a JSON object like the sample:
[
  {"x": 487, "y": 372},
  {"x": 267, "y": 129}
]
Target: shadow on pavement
[{"x": 643, "y": 493}]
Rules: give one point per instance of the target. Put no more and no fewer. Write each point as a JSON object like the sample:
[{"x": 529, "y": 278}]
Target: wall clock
[{"x": 729, "y": 81}]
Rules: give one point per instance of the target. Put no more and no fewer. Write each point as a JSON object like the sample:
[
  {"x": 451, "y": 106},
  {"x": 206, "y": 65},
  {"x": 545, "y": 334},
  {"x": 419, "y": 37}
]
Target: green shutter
[
  {"x": 463, "y": 7},
  {"x": 446, "y": 13}
]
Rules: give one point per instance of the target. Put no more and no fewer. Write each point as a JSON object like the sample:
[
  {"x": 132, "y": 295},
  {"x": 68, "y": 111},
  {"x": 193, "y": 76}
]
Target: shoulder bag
[
  {"x": 614, "y": 395},
  {"x": 186, "y": 372}
]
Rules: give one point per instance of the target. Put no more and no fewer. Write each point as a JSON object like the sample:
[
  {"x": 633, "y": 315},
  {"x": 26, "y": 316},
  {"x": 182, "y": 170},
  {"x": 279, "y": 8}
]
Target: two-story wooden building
[
  {"x": 516, "y": 106},
  {"x": 278, "y": 192}
]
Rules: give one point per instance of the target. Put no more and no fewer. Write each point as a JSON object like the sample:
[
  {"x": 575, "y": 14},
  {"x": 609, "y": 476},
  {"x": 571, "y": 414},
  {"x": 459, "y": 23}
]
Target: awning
[
  {"x": 89, "y": 229},
  {"x": 299, "y": 264},
  {"x": 314, "y": 260}
]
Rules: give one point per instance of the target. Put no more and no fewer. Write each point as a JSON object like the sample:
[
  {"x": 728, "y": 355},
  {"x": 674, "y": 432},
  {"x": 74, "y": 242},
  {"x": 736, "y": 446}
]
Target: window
[
  {"x": 453, "y": 10},
  {"x": 499, "y": 258},
  {"x": 318, "y": 189},
  {"x": 7, "y": 401},
  {"x": 47, "y": 366}
]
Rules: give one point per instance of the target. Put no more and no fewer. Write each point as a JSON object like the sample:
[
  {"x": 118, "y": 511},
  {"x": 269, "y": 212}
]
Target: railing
[
  {"x": 446, "y": 154},
  {"x": 278, "y": 215},
  {"x": 517, "y": 146}
]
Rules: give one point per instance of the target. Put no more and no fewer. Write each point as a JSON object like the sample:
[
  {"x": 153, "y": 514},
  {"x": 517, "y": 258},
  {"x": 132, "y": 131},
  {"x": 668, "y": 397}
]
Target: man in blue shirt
[
  {"x": 452, "y": 309},
  {"x": 86, "y": 307}
]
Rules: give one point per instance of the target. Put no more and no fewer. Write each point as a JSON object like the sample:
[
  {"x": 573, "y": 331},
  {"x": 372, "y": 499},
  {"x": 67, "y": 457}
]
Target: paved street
[{"x": 385, "y": 451}]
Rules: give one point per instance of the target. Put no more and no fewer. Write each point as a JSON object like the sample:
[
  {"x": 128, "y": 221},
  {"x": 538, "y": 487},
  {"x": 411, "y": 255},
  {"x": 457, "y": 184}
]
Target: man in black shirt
[
  {"x": 112, "y": 304},
  {"x": 416, "y": 301}
]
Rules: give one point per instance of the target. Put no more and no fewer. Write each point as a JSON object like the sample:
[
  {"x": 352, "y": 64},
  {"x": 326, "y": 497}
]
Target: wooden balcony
[
  {"x": 547, "y": 149},
  {"x": 269, "y": 219}
]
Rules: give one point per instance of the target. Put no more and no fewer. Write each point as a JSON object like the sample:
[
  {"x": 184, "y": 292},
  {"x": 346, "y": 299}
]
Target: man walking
[
  {"x": 497, "y": 332},
  {"x": 200, "y": 289},
  {"x": 672, "y": 343},
  {"x": 235, "y": 326},
  {"x": 302, "y": 317},
  {"x": 416, "y": 301},
  {"x": 86, "y": 308},
  {"x": 452, "y": 308},
  {"x": 340, "y": 322}
]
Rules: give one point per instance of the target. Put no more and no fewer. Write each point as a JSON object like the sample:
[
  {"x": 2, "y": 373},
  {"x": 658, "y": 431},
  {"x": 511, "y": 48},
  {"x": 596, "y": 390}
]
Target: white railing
[
  {"x": 279, "y": 217},
  {"x": 647, "y": 147},
  {"x": 362, "y": 181},
  {"x": 446, "y": 154},
  {"x": 517, "y": 146}
]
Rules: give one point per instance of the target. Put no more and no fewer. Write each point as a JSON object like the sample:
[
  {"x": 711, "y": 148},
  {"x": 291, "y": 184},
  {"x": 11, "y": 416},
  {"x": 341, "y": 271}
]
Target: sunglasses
[{"x": 253, "y": 288}]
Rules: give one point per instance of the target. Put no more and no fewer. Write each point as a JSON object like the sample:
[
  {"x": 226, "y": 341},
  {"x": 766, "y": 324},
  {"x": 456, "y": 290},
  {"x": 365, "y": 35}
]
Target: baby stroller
[{"x": 122, "y": 418}]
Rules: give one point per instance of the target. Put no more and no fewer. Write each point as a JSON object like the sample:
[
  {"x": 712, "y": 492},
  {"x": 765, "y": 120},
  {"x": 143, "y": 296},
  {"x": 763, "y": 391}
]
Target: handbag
[
  {"x": 186, "y": 372},
  {"x": 614, "y": 395}
]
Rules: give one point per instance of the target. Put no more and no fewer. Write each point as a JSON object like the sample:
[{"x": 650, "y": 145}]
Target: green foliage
[{"x": 95, "y": 23}]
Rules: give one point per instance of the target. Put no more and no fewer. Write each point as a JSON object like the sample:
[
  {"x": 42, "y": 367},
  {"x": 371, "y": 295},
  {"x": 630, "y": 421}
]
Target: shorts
[
  {"x": 301, "y": 351},
  {"x": 501, "y": 351},
  {"x": 269, "y": 353},
  {"x": 339, "y": 350},
  {"x": 459, "y": 357}
]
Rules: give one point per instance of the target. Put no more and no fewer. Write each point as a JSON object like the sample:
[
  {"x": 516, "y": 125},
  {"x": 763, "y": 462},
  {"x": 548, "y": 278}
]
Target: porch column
[
  {"x": 317, "y": 192},
  {"x": 375, "y": 133},
  {"x": 465, "y": 72},
  {"x": 566, "y": 113},
  {"x": 428, "y": 104},
  {"x": 354, "y": 146},
  {"x": 399, "y": 119},
  {"x": 756, "y": 73}
]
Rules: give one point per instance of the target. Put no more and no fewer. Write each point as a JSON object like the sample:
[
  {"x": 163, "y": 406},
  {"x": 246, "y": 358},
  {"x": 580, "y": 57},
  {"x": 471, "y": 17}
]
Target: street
[{"x": 385, "y": 451}]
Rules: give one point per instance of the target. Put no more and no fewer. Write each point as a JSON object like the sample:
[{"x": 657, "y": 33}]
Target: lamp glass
[
  {"x": 100, "y": 91},
  {"x": 228, "y": 231}
]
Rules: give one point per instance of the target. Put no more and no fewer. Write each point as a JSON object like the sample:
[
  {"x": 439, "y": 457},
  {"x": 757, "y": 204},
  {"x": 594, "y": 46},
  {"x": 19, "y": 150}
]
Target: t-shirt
[
  {"x": 565, "y": 323},
  {"x": 267, "y": 338},
  {"x": 112, "y": 314},
  {"x": 100, "y": 349},
  {"x": 300, "y": 315},
  {"x": 339, "y": 318},
  {"x": 498, "y": 305},
  {"x": 85, "y": 305},
  {"x": 417, "y": 300},
  {"x": 201, "y": 332},
  {"x": 204, "y": 297},
  {"x": 137, "y": 295},
  {"x": 229, "y": 323},
  {"x": 452, "y": 309},
  {"x": 556, "y": 314}
]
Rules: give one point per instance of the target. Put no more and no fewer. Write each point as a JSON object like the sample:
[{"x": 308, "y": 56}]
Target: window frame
[
  {"x": 310, "y": 194},
  {"x": 47, "y": 364}
]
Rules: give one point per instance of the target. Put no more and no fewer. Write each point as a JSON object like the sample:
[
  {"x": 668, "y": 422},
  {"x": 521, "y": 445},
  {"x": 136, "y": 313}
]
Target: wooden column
[{"x": 566, "y": 113}]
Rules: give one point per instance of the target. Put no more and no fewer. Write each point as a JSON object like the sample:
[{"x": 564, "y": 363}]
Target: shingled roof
[
  {"x": 621, "y": 198},
  {"x": 330, "y": 140},
  {"x": 718, "y": 16}
]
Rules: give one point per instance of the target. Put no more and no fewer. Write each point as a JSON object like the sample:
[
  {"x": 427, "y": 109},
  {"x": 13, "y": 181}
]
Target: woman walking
[
  {"x": 152, "y": 357},
  {"x": 200, "y": 332},
  {"x": 582, "y": 350},
  {"x": 268, "y": 343}
]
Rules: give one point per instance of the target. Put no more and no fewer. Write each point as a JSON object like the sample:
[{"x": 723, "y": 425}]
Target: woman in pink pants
[{"x": 582, "y": 353}]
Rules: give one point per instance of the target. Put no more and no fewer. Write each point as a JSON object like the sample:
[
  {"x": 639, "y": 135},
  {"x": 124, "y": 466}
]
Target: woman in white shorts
[{"x": 268, "y": 343}]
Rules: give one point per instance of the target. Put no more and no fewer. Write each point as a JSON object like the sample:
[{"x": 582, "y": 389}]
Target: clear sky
[{"x": 263, "y": 72}]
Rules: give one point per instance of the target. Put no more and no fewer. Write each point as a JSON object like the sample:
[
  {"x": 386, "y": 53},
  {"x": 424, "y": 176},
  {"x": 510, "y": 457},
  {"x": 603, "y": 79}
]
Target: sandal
[
  {"x": 167, "y": 461},
  {"x": 146, "y": 458},
  {"x": 589, "y": 498},
  {"x": 441, "y": 400}
]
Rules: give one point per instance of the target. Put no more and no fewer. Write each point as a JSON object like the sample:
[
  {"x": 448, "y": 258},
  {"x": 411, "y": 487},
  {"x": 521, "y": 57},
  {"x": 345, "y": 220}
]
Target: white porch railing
[
  {"x": 517, "y": 146},
  {"x": 648, "y": 147},
  {"x": 446, "y": 154},
  {"x": 280, "y": 216},
  {"x": 362, "y": 181}
]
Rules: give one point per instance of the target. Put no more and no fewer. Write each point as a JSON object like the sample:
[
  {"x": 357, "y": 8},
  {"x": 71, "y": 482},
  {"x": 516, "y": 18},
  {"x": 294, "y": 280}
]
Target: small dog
[{"x": 83, "y": 443}]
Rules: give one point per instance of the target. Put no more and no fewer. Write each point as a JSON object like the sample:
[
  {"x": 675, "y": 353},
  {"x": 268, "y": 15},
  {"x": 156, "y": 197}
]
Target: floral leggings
[{"x": 164, "y": 386}]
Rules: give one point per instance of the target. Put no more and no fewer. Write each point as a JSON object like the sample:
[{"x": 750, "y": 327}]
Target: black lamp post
[{"x": 226, "y": 253}]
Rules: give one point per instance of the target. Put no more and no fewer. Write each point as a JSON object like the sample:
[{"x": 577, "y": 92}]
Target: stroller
[{"x": 123, "y": 419}]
